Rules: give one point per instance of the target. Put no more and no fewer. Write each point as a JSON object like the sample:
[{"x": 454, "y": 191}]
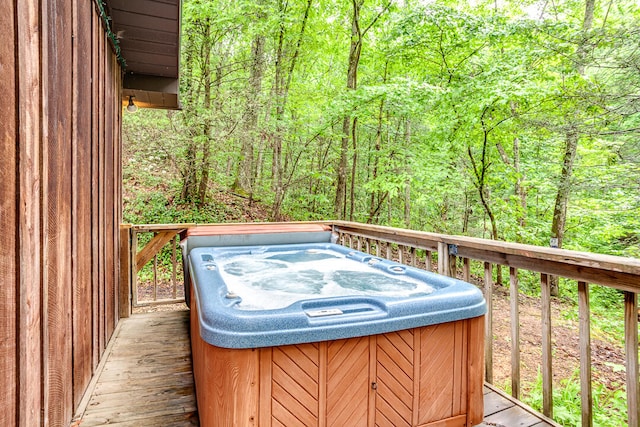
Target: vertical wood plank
[
  {"x": 95, "y": 205},
  {"x": 631, "y": 349},
  {"x": 265, "y": 375},
  {"x": 174, "y": 266},
  {"x": 9, "y": 198},
  {"x": 459, "y": 367},
  {"x": 125, "y": 271},
  {"x": 417, "y": 375},
  {"x": 110, "y": 211},
  {"x": 100, "y": 188},
  {"x": 547, "y": 375},
  {"x": 323, "y": 354},
  {"x": 584, "y": 316},
  {"x": 58, "y": 69},
  {"x": 116, "y": 107},
  {"x": 81, "y": 192},
  {"x": 488, "y": 295},
  {"x": 373, "y": 375},
  {"x": 453, "y": 266},
  {"x": 515, "y": 332},
  {"x": 466, "y": 269},
  {"x": 443, "y": 259},
  {"x": 134, "y": 270},
  {"x": 475, "y": 406},
  {"x": 428, "y": 261}
]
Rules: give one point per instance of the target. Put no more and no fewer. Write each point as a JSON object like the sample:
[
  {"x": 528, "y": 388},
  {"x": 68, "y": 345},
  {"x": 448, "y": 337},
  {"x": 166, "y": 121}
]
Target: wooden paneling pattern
[
  {"x": 429, "y": 376},
  {"x": 59, "y": 206}
]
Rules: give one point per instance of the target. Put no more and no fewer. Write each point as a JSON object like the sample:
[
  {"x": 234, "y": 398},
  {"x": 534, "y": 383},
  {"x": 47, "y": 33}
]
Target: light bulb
[{"x": 132, "y": 108}]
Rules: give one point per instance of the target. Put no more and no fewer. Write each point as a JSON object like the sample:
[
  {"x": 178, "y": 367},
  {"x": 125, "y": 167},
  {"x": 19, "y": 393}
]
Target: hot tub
[{"x": 319, "y": 334}]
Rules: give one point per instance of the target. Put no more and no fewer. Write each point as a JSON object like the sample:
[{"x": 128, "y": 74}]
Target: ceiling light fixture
[{"x": 132, "y": 108}]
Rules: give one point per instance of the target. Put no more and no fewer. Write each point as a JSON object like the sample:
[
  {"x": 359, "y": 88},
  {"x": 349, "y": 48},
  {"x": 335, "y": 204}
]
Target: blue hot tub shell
[{"x": 223, "y": 324}]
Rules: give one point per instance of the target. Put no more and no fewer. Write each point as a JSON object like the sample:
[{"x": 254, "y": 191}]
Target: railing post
[
  {"x": 515, "y": 332},
  {"x": 584, "y": 317},
  {"x": 631, "y": 349},
  {"x": 124, "y": 301},
  {"x": 547, "y": 373},
  {"x": 443, "y": 258},
  {"x": 134, "y": 267}
]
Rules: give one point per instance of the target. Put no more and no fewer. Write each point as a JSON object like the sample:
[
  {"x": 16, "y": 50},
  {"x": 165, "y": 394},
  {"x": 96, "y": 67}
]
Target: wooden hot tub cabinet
[{"x": 427, "y": 376}]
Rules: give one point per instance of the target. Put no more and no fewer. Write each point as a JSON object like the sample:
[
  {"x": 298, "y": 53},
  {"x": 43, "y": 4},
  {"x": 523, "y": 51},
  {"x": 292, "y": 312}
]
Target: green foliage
[{"x": 609, "y": 406}]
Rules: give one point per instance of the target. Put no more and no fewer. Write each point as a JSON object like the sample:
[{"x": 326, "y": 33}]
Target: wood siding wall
[{"x": 60, "y": 201}]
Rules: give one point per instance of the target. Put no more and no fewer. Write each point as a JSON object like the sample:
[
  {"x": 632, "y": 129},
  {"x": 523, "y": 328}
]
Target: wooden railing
[
  {"x": 448, "y": 254},
  {"x": 141, "y": 245},
  {"x": 584, "y": 268}
]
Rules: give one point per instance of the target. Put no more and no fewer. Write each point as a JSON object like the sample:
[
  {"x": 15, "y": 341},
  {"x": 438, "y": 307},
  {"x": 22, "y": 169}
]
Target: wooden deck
[{"x": 146, "y": 380}]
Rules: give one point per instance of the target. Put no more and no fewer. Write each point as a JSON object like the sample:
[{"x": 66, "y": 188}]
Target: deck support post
[{"x": 631, "y": 348}]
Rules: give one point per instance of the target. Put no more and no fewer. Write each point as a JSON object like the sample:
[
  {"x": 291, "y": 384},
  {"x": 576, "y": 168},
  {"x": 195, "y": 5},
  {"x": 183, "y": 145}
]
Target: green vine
[{"x": 106, "y": 19}]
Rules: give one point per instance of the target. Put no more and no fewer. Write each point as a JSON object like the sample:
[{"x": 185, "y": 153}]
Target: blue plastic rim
[{"x": 223, "y": 324}]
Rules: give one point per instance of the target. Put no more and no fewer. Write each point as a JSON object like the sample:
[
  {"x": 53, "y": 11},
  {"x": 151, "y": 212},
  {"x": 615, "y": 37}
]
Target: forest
[
  {"x": 514, "y": 120},
  {"x": 509, "y": 120}
]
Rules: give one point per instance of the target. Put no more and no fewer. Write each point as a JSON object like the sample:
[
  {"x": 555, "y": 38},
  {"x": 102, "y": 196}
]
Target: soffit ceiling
[{"x": 149, "y": 35}]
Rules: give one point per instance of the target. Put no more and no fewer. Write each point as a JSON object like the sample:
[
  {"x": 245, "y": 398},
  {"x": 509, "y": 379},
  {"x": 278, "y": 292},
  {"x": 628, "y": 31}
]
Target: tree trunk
[
  {"x": 283, "y": 77},
  {"x": 571, "y": 146},
  {"x": 245, "y": 174},
  {"x": 407, "y": 184},
  {"x": 352, "y": 83},
  {"x": 206, "y": 125}
]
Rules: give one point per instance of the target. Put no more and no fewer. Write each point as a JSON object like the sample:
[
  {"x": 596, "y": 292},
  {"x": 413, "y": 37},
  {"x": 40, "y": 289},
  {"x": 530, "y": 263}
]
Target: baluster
[
  {"x": 412, "y": 256},
  {"x": 134, "y": 269},
  {"x": 631, "y": 349},
  {"x": 389, "y": 248},
  {"x": 466, "y": 270},
  {"x": 547, "y": 385},
  {"x": 515, "y": 333},
  {"x": 453, "y": 265},
  {"x": 368, "y": 245},
  {"x": 428, "y": 261},
  {"x": 585, "y": 354},
  {"x": 155, "y": 277},
  {"x": 174, "y": 267},
  {"x": 488, "y": 349},
  {"x": 359, "y": 240},
  {"x": 378, "y": 249}
]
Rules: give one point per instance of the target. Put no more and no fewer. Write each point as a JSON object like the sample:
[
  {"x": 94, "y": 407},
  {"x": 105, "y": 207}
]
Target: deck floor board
[{"x": 146, "y": 380}]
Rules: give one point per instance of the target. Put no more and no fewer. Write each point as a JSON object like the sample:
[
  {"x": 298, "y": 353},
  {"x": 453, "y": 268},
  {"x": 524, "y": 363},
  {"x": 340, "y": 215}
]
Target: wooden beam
[{"x": 153, "y": 247}]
